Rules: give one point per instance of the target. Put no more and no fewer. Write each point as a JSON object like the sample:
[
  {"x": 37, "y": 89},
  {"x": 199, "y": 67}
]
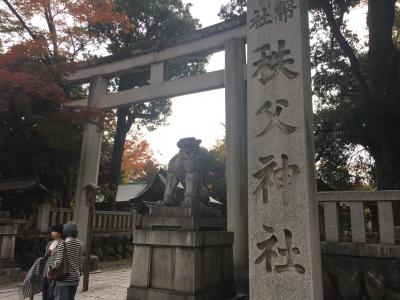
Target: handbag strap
[{"x": 65, "y": 254}]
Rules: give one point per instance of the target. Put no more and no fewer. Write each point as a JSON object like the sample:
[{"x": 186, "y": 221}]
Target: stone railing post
[
  {"x": 331, "y": 222},
  {"x": 386, "y": 224},
  {"x": 357, "y": 222},
  {"x": 132, "y": 220},
  {"x": 42, "y": 224}
]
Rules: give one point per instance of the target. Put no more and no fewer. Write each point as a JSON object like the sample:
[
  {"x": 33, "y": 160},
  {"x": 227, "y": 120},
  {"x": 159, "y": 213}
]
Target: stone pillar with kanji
[{"x": 284, "y": 249}]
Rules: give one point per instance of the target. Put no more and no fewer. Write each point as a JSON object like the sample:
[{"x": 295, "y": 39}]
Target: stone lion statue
[{"x": 186, "y": 168}]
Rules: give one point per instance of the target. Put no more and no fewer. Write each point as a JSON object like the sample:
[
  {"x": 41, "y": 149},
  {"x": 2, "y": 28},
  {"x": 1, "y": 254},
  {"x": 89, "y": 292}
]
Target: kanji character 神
[{"x": 282, "y": 177}]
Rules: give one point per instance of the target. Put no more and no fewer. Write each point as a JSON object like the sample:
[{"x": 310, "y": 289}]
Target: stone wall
[
  {"x": 112, "y": 247},
  {"x": 106, "y": 246},
  {"x": 360, "y": 278}
]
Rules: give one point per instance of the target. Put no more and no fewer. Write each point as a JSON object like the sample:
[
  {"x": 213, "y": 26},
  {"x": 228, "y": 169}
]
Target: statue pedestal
[
  {"x": 182, "y": 218},
  {"x": 8, "y": 233},
  {"x": 182, "y": 257}
]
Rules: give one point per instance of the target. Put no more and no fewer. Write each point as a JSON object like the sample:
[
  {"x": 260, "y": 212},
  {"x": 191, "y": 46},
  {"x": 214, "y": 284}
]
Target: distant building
[
  {"x": 132, "y": 196},
  {"x": 19, "y": 195}
]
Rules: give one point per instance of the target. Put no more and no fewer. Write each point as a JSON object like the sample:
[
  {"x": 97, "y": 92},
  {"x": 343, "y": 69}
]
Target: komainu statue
[{"x": 186, "y": 168}]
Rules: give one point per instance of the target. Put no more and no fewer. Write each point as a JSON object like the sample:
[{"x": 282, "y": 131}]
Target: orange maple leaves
[
  {"x": 65, "y": 25},
  {"x": 138, "y": 161}
]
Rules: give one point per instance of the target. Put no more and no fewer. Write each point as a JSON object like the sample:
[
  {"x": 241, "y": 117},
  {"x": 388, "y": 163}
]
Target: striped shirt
[
  {"x": 52, "y": 256},
  {"x": 75, "y": 255}
]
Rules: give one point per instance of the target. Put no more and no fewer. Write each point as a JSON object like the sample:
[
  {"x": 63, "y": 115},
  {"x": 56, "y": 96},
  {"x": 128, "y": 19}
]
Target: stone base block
[
  {"x": 182, "y": 218},
  {"x": 94, "y": 263},
  {"x": 182, "y": 265},
  {"x": 4, "y": 214},
  {"x": 223, "y": 291},
  {"x": 9, "y": 275},
  {"x": 183, "y": 223}
]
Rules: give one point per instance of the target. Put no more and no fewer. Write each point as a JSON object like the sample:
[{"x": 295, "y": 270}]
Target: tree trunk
[
  {"x": 124, "y": 124},
  {"x": 383, "y": 57},
  {"x": 383, "y": 63},
  {"x": 388, "y": 167},
  {"x": 118, "y": 153}
]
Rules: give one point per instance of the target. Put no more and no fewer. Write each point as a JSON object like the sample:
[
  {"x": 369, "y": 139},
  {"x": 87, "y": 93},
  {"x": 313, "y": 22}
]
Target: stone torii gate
[
  {"x": 271, "y": 206},
  {"x": 230, "y": 37}
]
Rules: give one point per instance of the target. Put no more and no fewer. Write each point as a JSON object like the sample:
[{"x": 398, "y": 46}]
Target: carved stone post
[{"x": 284, "y": 241}]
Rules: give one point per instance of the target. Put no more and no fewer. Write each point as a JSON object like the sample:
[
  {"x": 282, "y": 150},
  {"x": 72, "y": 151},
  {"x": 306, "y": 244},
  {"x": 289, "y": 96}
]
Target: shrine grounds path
[{"x": 110, "y": 284}]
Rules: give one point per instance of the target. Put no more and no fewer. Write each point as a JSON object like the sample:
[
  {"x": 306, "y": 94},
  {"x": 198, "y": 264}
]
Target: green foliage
[
  {"x": 354, "y": 127},
  {"x": 339, "y": 110},
  {"x": 232, "y": 9},
  {"x": 214, "y": 170}
]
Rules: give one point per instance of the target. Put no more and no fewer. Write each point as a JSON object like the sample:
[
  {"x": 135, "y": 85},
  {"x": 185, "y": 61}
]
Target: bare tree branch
[
  {"x": 18, "y": 16},
  {"x": 345, "y": 46}
]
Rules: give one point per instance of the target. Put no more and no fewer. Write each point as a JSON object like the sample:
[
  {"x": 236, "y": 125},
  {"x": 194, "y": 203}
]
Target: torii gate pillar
[
  {"x": 236, "y": 157},
  {"x": 90, "y": 159}
]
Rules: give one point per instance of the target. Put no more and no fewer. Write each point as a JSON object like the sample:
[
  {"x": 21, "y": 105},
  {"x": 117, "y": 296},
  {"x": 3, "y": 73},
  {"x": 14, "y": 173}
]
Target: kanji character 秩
[{"x": 270, "y": 65}]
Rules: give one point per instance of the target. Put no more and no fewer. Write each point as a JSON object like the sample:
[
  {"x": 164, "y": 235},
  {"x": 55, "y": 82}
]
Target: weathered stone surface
[
  {"x": 236, "y": 157},
  {"x": 360, "y": 278},
  {"x": 166, "y": 211},
  {"x": 284, "y": 246},
  {"x": 10, "y": 274},
  {"x": 4, "y": 214},
  {"x": 182, "y": 265},
  {"x": 393, "y": 297},
  {"x": 329, "y": 289},
  {"x": 374, "y": 280},
  {"x": 90, "y": 159},
  {"x": 224, "y": 291},
  {"x": 94, "y": 263},
  {"x": 349, "y": 279},
  {"x": 183, "y": 218},
  {"x": 360, "y": 250},
  {"x": 182, "y": 238},
  {"x": 394, "y": 274},
  {"x": 8, "y": 233}
]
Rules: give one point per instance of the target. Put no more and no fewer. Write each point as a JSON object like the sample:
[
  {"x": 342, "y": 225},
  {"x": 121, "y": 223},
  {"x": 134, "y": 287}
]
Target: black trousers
[
  {"x": 48, "y": 289},
  {"x": 66, "y": 292}
]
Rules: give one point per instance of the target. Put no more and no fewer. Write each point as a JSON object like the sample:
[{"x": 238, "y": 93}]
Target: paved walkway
[{"x": 107, "y": 285}]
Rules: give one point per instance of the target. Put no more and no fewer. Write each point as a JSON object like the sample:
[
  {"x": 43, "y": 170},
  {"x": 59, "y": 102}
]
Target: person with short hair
[
  {"x": 51, "y": 251},
  {"x": 66, "y": 288}
]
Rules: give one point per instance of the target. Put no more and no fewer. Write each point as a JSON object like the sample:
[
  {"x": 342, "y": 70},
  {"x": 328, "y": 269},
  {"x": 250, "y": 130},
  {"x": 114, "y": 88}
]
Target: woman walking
[
  {"x": 74, "y": 251},
  {"x": 50, "y": 255},
  {"x": 37, "y": 280}
]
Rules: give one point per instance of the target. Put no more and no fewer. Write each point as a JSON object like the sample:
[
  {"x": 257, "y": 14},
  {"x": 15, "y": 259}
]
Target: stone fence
[
  {"x": 103, "y": 221},
  {"x": 359, "y": 245},
  {"x": 332, "y": 203}
]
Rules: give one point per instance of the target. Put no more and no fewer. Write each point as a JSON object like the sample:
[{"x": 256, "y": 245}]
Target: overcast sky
[{"x": 201, "y": 115}]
